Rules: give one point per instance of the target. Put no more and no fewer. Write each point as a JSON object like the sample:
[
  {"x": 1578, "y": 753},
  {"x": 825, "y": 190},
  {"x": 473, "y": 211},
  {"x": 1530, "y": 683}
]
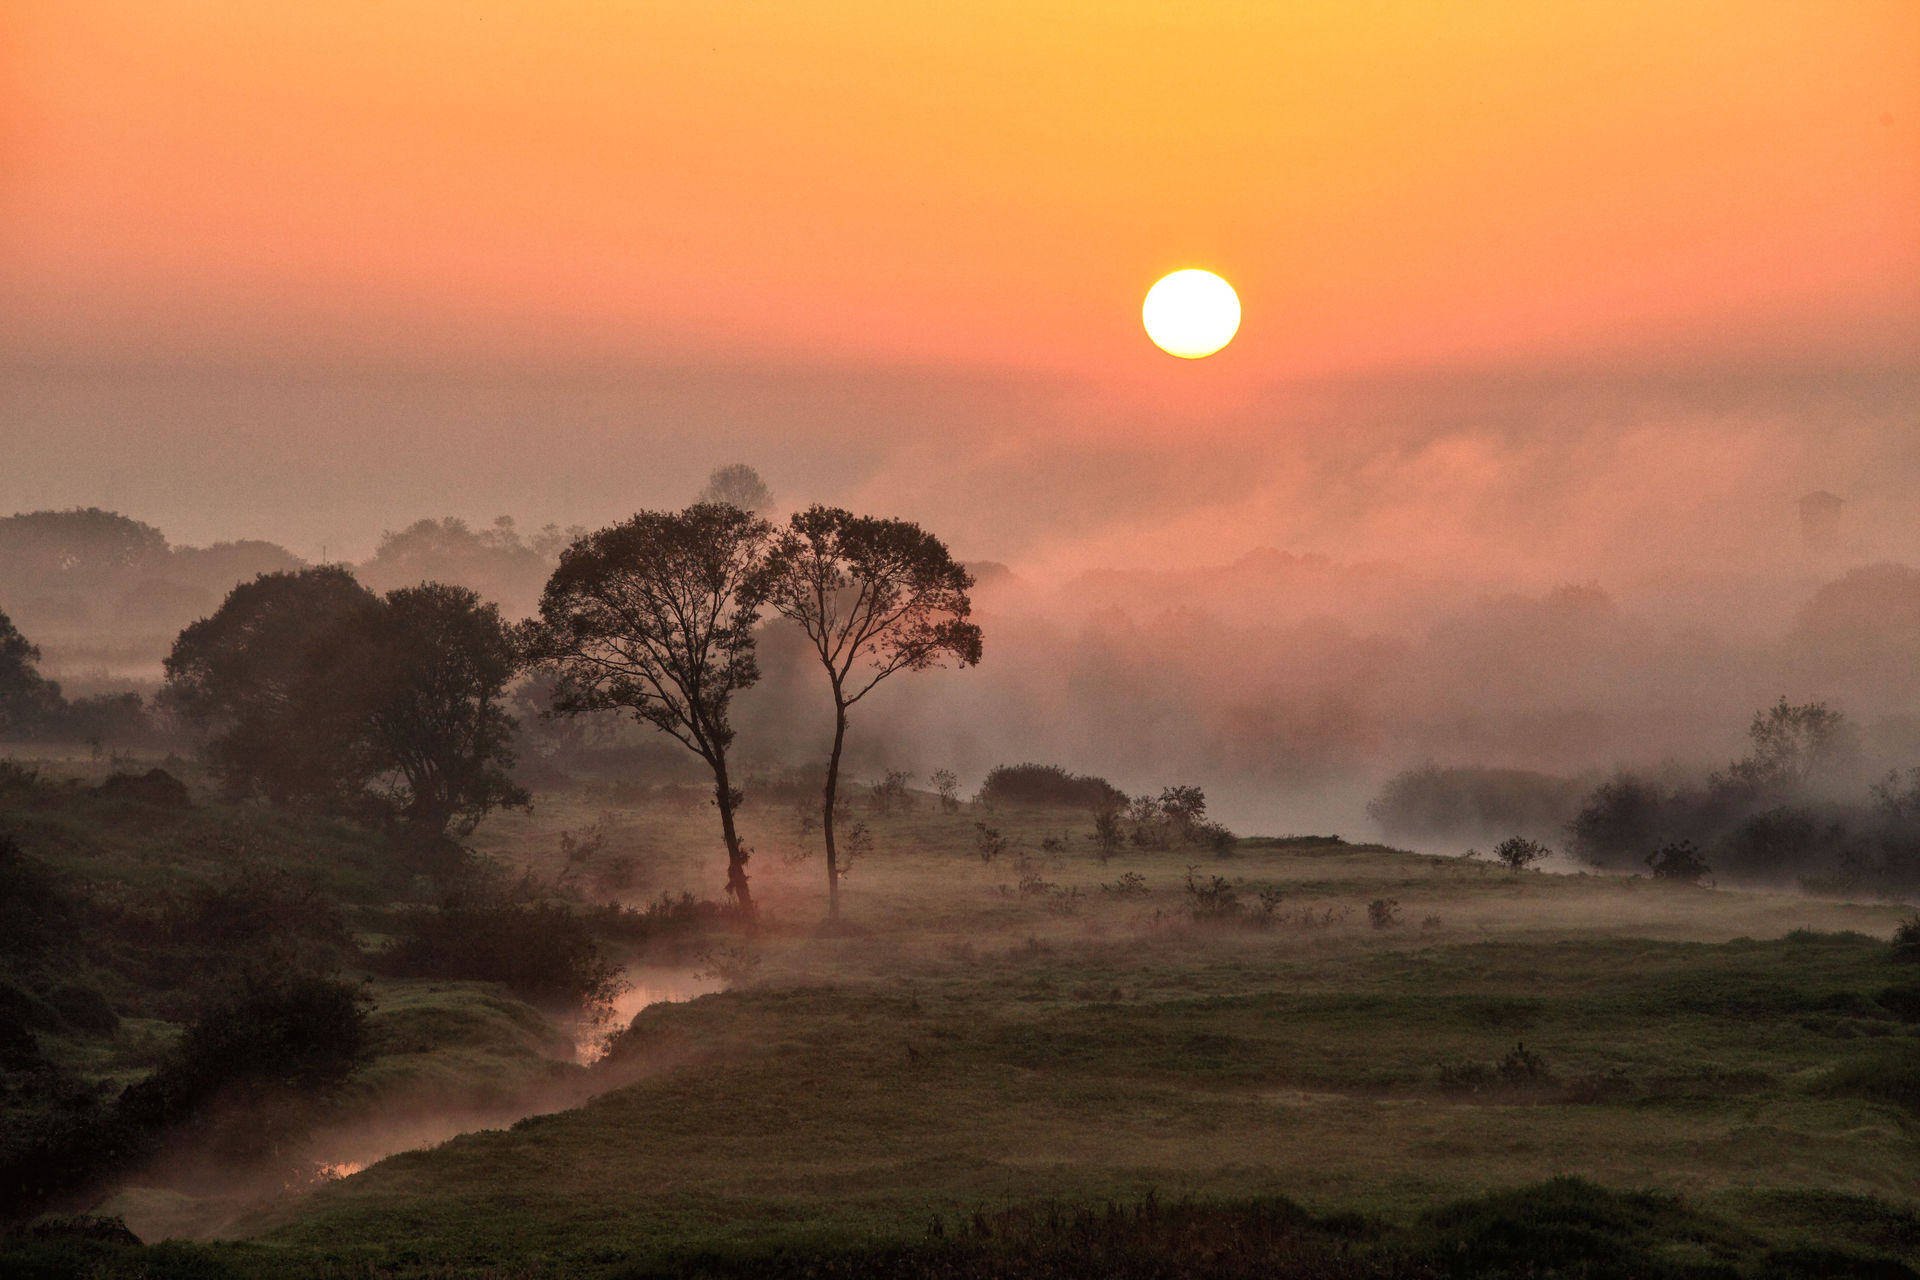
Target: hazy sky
[{"x": 1549, "y": 287}]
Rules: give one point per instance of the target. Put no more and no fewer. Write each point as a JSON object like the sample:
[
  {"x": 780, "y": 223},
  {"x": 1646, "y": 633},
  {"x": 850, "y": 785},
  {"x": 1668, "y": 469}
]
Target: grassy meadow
[{"x": 1361, "y": 1035}]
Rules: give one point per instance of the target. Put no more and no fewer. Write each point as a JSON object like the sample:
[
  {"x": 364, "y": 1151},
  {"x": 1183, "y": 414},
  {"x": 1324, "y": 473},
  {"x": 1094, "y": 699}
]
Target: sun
[{"x": 1191, "y": 313}]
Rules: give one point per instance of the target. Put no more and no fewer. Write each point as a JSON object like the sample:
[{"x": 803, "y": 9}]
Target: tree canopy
[
  {"x": 737, "y": 485},
  {"x": 311, "y": 690},
  {"x": 27, "y": 699},
  {"x": 874, "y": 597},
  {"x": 656, "y": 616}
]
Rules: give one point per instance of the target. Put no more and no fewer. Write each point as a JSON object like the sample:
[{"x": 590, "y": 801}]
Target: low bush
[
  {"x": 252, "y": 1070},
  {"x": 988, "y": 843},
  {"x": 1679, "y": 863},
  {"x": 1211, "y": 899},
  {"x": 1516, "y": 853},
  {"x": 156, "y": 789},
  {"x": 1047, "y": 784},
  {"x": 539, "y": 949},
  {"x": 1906, "y": 941}
]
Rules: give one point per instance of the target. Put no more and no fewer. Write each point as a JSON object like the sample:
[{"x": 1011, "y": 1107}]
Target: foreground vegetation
[{"x": 1036, "y": 1054}]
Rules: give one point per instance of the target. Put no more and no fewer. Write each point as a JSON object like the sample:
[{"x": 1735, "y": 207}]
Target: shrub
[
  {"x": 1130, "y": 885},
  {"x": 1108, "y": 832},
  {"x": 37, "y": 915},
  {"x": 304, "y": 1030},
  {"x": 156, "y": 788},
  {"x": 256, "y": 908},
  {"x": 1216, "y": 837},
  {"x": 946, "y": 785},
  {"x": 543, "y": 952},
  {"x": 1212, "y": 899},
  {"x": 664, "y": 917},
  {"x": 1679, "y": 863},
  {"x": 1622, "y": 816},
  {"x": 730, "y": 966},
  {"x": 1383, "y": 913},
  {"x": 1522, "y": 1067},
  {"x": 1777, "y": 843},
  {"x": 1906, "y": 940},
  {"x": 1465, "y": 802},
  {"x": 988, "y": 842},
  {"x": 892, "y": 793},
  {"x": 1517, "y": 853},
  {"x": 1046, "y": 784}
]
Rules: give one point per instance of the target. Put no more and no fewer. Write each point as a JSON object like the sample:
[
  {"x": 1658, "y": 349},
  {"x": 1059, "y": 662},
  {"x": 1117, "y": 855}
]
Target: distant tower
[{"x": 1820, "y": 520}]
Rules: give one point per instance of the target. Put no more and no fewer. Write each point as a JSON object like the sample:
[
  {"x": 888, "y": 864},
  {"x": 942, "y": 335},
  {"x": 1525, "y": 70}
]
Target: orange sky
[
  {"x": 988, "y": 185},
  {"x": 1633, "y": 276}
]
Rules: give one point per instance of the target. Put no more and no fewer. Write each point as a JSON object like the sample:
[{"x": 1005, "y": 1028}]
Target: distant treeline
[{"x": 1791, "y": 811}]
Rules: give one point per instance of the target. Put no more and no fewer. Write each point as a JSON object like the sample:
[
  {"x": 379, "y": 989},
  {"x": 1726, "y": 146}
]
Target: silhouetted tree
[
  {"x": 27, "y": 699},
  {"x": 445, "y": 657},
  {"x": 495, "y": 561},
  {"x": 738, "y": 485},
  {"x": 1517, "y": 853},
  {"x": 874, "y": 597},
  {"x": 281, "y": 679},
  {"x": 1791, "y": 744},
  {"x": 311, "y": 689},
  {"x": 656, "y": 616},
  {"x": 81, "y": 544}
]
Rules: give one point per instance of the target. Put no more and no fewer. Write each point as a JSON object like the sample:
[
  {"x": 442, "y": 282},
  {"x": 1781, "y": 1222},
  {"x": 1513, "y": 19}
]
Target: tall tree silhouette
[
  {"x": 655, "y": 616},
  {"x": 875, "y": 597}
]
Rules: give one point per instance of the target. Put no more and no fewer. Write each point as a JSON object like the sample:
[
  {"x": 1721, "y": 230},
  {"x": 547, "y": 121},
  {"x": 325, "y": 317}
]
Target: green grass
[{"x": 1721, "y": 1070}]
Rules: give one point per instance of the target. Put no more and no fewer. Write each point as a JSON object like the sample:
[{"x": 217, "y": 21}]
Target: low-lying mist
[{"x": 1288, "y": 602}]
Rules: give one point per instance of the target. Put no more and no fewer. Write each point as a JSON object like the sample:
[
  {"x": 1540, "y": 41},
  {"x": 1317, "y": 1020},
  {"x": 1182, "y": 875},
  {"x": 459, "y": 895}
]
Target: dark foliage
[
  {"x": 437, "y": 723},
  {"x": 1623, "y": 815},
  {"x": 737, "y": 485},
  {"x": 1466, "y": 802},
  {"x": 156, "y": 789},
  {"x": 28, "y": 701},
  {"x": 664, "y": 919},
  {"x": 1679, "y": 863},
  {"x": 312, "y": 691},
  {"x": 37, "y": 916},
  {"x": 542, "y": 951},
  {"x": 1516, "y": 853},
  {"x": 281, "y": 680},
  {"x": 1906, "y": 941},
  {"x": 655, "y": 617},
  {"x": 1049, "y": 784},
  {"x": 250, "y": 1071},
  {"x": 1564, "y": 1229}
]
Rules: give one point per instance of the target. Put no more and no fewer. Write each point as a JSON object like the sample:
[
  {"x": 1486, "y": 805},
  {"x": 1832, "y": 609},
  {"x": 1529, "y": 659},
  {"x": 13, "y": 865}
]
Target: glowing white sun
[{"x": 1191, "y": 313}]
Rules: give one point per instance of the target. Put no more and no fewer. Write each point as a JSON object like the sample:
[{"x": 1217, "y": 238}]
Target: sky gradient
[{"x": 304, "y": 271}]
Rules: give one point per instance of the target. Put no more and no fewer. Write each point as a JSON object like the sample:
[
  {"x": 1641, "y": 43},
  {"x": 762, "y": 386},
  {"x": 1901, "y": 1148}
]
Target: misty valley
[{"x": 662, "y": 899}]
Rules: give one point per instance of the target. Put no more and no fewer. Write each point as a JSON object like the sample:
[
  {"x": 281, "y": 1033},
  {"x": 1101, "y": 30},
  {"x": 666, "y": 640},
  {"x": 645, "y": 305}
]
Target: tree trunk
[
  {"x": 736, "y": 852},
  {"x": 826, "y": 817}
]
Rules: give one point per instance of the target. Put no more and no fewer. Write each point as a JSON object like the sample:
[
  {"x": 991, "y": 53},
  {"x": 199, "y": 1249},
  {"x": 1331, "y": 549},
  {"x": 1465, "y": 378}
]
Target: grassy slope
[
  {"x": 970, "y": 1047},
  {"x": 964, "y": 1045}
]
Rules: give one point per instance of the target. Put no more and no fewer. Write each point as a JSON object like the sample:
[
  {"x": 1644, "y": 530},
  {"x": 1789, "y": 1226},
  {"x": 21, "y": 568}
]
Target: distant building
[{"x": 1820, "y": 520}]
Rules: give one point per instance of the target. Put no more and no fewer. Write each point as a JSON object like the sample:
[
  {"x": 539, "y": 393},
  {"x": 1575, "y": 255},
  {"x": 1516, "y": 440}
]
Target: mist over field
[
  {"x": 1564, "y": 574},
  {"x": 1081, "y": 641}
]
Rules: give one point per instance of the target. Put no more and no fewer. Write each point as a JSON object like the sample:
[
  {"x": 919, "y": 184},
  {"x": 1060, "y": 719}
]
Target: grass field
[{"x": 983, "y": 1036}]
